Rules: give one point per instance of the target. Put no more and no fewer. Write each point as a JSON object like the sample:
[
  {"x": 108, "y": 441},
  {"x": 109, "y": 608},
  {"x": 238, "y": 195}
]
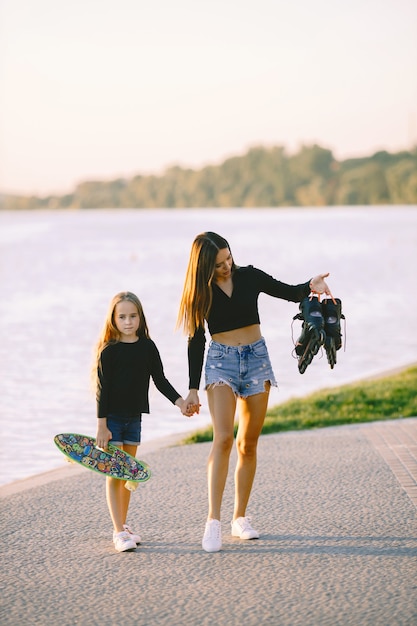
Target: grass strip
[{"x": 389, "y": 397}]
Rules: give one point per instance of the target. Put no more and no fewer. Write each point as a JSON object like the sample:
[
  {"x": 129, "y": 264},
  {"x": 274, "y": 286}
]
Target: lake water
[{"x": 59, "y": 270}]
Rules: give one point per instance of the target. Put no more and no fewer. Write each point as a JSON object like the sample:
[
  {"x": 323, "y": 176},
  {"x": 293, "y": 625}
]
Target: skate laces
[{"x": 295, "y": 343}]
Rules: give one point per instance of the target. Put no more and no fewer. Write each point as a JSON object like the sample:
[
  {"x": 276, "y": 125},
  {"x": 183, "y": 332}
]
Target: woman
[{"x": 238, "y": 371}]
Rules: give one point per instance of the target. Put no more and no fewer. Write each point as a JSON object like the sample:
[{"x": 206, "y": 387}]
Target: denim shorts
[
  {"x": 125, "y": 429},
  {"x": 246, "y": 369}
]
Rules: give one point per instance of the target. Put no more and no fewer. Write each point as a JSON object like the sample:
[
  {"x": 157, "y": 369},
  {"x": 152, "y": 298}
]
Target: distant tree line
[{"x": 263, "y": 177}]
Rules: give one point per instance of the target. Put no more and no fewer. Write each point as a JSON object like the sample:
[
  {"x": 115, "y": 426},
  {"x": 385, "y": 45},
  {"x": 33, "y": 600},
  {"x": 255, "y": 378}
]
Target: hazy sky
[{"x": 96, "y": 89}]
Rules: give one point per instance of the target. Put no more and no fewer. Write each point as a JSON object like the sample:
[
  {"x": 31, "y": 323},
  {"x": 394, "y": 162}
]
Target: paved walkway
[{"x": 337, "y": 510}]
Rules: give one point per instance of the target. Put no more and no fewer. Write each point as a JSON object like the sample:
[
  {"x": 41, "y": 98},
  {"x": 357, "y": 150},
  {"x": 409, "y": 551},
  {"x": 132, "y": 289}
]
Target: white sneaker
[
  {"x": 212, "y": 539},
  {"x": 134, "y": 536},
  {"x": 123, "y": 542},
  {"x": 242, "y": 528}
]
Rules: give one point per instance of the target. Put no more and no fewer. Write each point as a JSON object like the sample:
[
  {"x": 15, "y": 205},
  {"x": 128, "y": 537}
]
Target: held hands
[
  {"x": 191, "y": 404},
  {"x": 193, "y": 401},
  {"x": 319, "y": 286},
  {"x": 186, "y": 407}
]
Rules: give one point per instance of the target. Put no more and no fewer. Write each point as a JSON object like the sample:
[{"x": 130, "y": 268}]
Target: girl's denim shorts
[
  {"x": 246, "y": 369},
  {"x": 125, "y": 429}
]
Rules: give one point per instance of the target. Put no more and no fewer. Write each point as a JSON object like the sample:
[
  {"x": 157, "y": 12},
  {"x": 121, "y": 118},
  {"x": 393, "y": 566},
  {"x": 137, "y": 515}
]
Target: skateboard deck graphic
[{"x": 112, "y": 462}]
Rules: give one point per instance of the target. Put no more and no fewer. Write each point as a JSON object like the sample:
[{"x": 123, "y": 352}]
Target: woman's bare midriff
[{"x": 239, "y": 336}]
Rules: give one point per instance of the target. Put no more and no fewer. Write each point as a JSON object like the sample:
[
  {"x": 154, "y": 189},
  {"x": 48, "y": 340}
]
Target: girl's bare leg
[
  {"x": 118, "y": 498},
  {"x": 222, "y": 406},
  {"x": 252, "y": 413}
]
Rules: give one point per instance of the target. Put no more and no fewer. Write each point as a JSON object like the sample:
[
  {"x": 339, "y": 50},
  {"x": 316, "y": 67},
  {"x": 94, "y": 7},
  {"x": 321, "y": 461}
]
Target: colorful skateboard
[{"x": 114, "y": 462}]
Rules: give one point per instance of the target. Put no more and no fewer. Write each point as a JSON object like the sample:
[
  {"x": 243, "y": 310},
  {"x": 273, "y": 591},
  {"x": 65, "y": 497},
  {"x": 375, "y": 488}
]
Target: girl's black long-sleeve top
[
  {"x": 238, "y": 310},
  {"x": 124, "y": 373}
]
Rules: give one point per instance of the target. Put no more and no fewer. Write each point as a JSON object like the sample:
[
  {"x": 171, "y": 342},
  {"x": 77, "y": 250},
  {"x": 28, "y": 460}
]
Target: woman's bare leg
[
  {"x": 222, "y": 405},
  {"x": 252, "y": 413}
]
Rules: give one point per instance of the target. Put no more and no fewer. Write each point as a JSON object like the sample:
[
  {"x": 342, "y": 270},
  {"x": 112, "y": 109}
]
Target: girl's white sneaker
[
  {"x": 134, "y": 536},
  {"x": 123, "y": 542}
]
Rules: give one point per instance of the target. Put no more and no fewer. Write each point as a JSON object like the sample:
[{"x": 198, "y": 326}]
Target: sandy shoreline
[{"x": 69, "y": 469}]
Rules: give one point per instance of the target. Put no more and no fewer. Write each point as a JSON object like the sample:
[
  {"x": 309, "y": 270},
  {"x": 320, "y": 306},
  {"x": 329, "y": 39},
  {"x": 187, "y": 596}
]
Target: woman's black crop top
[{"x": 238, "y": 310}]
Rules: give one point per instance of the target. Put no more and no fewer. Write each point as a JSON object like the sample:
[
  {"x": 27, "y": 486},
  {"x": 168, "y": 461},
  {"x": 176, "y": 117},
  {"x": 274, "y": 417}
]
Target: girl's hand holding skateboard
[{"x": 103, "y": 434}]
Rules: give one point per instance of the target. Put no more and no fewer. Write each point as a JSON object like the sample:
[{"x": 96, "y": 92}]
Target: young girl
[
  {"x": 237, "y": 370},
  {"x": 126, "y": 359}
]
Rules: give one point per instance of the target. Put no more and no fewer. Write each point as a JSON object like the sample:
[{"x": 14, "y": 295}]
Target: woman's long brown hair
[{"x": 197, "y": 293}]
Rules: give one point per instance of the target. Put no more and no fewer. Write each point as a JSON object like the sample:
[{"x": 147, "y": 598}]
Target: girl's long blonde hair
[
  {"x": 110, "y": 333},
  {"x": 197, "y": 293}
]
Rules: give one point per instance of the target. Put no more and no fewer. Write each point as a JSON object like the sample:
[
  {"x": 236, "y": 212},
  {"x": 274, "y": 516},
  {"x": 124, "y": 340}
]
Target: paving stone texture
[{"x": 337, "y": 513}]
